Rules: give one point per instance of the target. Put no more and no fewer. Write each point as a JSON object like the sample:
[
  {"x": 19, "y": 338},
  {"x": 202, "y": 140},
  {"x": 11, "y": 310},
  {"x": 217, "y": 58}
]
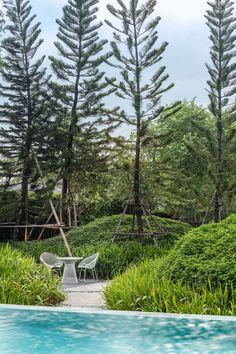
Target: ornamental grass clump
[
  {"x": 24, "y": 282},
  {"x": 140, "y": 289},
  {"x": 113, "y": 258}
]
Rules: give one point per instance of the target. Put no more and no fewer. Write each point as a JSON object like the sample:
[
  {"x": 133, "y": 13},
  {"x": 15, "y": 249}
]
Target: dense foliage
[
  {"x": 26, "y": 283},
  {"x": 96, "y": 237},
  {"x": 180, "y": 157},
  {"x": 182, "y": 154},
  {"x": 142, "y": 289}
]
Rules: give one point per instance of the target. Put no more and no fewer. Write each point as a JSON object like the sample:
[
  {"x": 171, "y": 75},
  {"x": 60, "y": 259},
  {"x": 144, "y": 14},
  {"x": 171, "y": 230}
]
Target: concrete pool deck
[{"x": 85, "y": 295}]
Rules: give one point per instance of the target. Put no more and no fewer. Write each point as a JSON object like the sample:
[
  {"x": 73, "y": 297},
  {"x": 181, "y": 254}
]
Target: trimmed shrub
[
  {"x": 96, "y": 237},
  {"x": 141, "y": 289},
  {"x": 102, "y": 229},
  {"x": 24, "y": 282},
  {"x": 205, "y": 253}
]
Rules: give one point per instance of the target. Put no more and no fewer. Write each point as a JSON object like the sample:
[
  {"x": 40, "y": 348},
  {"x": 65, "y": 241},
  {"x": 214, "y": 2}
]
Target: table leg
[{"x": 69, "y": 274}]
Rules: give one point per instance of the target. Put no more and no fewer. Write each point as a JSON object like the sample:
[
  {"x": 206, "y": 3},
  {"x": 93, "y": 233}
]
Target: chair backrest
[
  {"x": 90, "y": 261},
  {"x": 49, "y": 259}
]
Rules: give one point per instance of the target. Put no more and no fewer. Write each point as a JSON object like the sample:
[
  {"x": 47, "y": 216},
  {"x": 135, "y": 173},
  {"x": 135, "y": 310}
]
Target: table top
[{"x": 69, "y": 258}]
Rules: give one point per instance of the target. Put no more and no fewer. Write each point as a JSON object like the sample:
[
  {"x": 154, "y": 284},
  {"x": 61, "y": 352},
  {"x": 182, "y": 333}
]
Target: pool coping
[{"x": 120, "y": 313}]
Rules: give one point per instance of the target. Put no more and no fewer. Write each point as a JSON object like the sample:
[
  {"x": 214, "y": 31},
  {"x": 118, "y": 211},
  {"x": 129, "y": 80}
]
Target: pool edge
[{"x": 119, "y": 313}]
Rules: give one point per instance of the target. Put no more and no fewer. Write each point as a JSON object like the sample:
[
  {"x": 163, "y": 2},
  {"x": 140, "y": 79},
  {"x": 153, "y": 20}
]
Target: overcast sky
[{"x": 183, "y": 26}]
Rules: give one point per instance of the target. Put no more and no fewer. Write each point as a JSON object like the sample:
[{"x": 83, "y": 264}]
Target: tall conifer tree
[
  {"x": 78, "y": 69},
  {"x": 23, "y": 91},
  {"x": 136, "y": 52},
  {"x": 222, "y": 82}
]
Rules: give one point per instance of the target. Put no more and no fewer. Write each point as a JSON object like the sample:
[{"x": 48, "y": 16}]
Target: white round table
[{"x": 69, "y": 273}]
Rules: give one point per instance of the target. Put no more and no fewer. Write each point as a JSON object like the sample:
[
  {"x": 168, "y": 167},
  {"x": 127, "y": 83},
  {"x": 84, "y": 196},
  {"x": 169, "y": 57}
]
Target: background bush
[
  {"x": 207, "y": 252},
  {"x": 24, "y": 282},
  {"x": 96, "y": 237}
]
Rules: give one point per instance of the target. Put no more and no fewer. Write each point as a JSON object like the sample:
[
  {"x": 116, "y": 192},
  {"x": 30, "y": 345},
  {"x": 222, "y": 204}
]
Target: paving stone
[{"x": 85, "y": 295}]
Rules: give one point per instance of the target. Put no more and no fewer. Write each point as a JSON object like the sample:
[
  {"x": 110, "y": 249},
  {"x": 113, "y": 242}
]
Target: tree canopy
[{"x": 180, "y": 156}]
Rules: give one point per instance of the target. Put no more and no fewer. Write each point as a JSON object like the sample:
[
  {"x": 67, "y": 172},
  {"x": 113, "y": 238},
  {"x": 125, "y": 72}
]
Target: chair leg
[
  {"x": 80, "y": 273},
  {"x": 96, "y": 277},
  {"x": 56, "y": 271}
]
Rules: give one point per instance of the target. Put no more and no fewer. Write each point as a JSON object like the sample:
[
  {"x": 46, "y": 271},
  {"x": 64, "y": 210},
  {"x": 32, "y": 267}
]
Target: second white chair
[{"x": 89, "y": 263}]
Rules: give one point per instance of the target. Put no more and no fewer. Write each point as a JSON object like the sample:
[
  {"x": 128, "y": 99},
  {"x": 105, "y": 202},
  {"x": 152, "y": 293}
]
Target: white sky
[{"x": 182, "y": 25}]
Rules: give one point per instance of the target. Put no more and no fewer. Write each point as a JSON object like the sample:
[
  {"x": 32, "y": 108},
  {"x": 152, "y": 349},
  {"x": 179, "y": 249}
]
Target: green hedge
[
  {"x": 24, "y": 282},
  {"x": 102, "y": 229},
  {"x": 141, "y": 288},
  {"x": 96, "y": 237},
  {"x": 207, "y": 252}
]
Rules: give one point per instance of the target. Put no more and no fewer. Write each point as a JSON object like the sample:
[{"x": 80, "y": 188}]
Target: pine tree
[
  {"x": 79, "y": 71},
  {"x": 222, "y": 83},
  {"x": 135, "y": 50},
  {"x": 23, "y": 93}
]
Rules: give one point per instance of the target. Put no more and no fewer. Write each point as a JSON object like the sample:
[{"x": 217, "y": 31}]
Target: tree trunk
[
  {"x": 24, "y": 192},
  {"x": 66, "y": 179},
  {"x": 137, "y": 182},
  {"x": 218, "y": 195},
  {"x": 24, "y": 198},
  {"x": 69, "y": 216},
  {"x": 24, "y": 195},
  {"x": 69, "y": 152}
]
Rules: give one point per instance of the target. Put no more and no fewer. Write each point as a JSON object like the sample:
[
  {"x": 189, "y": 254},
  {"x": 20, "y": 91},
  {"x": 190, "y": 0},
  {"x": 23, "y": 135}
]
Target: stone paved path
[{"x": 87, "y": 295}]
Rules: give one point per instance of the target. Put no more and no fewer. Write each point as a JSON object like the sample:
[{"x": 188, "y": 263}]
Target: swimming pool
[{"x": 26, "y": 330}]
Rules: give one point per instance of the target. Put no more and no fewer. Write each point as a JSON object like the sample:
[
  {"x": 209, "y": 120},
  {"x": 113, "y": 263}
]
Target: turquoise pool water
[{"x": 29, "y": 331}]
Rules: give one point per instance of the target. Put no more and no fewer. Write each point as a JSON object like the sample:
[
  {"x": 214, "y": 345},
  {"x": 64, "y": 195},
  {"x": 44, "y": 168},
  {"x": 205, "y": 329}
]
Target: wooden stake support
[
  {"x": 26, "y": 233},
  {"x": 147, "y": 215},
  {"x": 211, "y": 205},
  {"x": 58, "y": 223},
  {"x": 46, "y": 226}
]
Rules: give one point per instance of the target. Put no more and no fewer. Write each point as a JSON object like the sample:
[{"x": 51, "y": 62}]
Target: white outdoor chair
[
  {"x": 90, "y": 264},
  {"x": 50, "y": 261}
]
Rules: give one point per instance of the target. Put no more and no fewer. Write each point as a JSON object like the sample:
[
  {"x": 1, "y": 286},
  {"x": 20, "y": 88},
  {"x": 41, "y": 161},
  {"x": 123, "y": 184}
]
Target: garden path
[{"x": 87, "y": 295}]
